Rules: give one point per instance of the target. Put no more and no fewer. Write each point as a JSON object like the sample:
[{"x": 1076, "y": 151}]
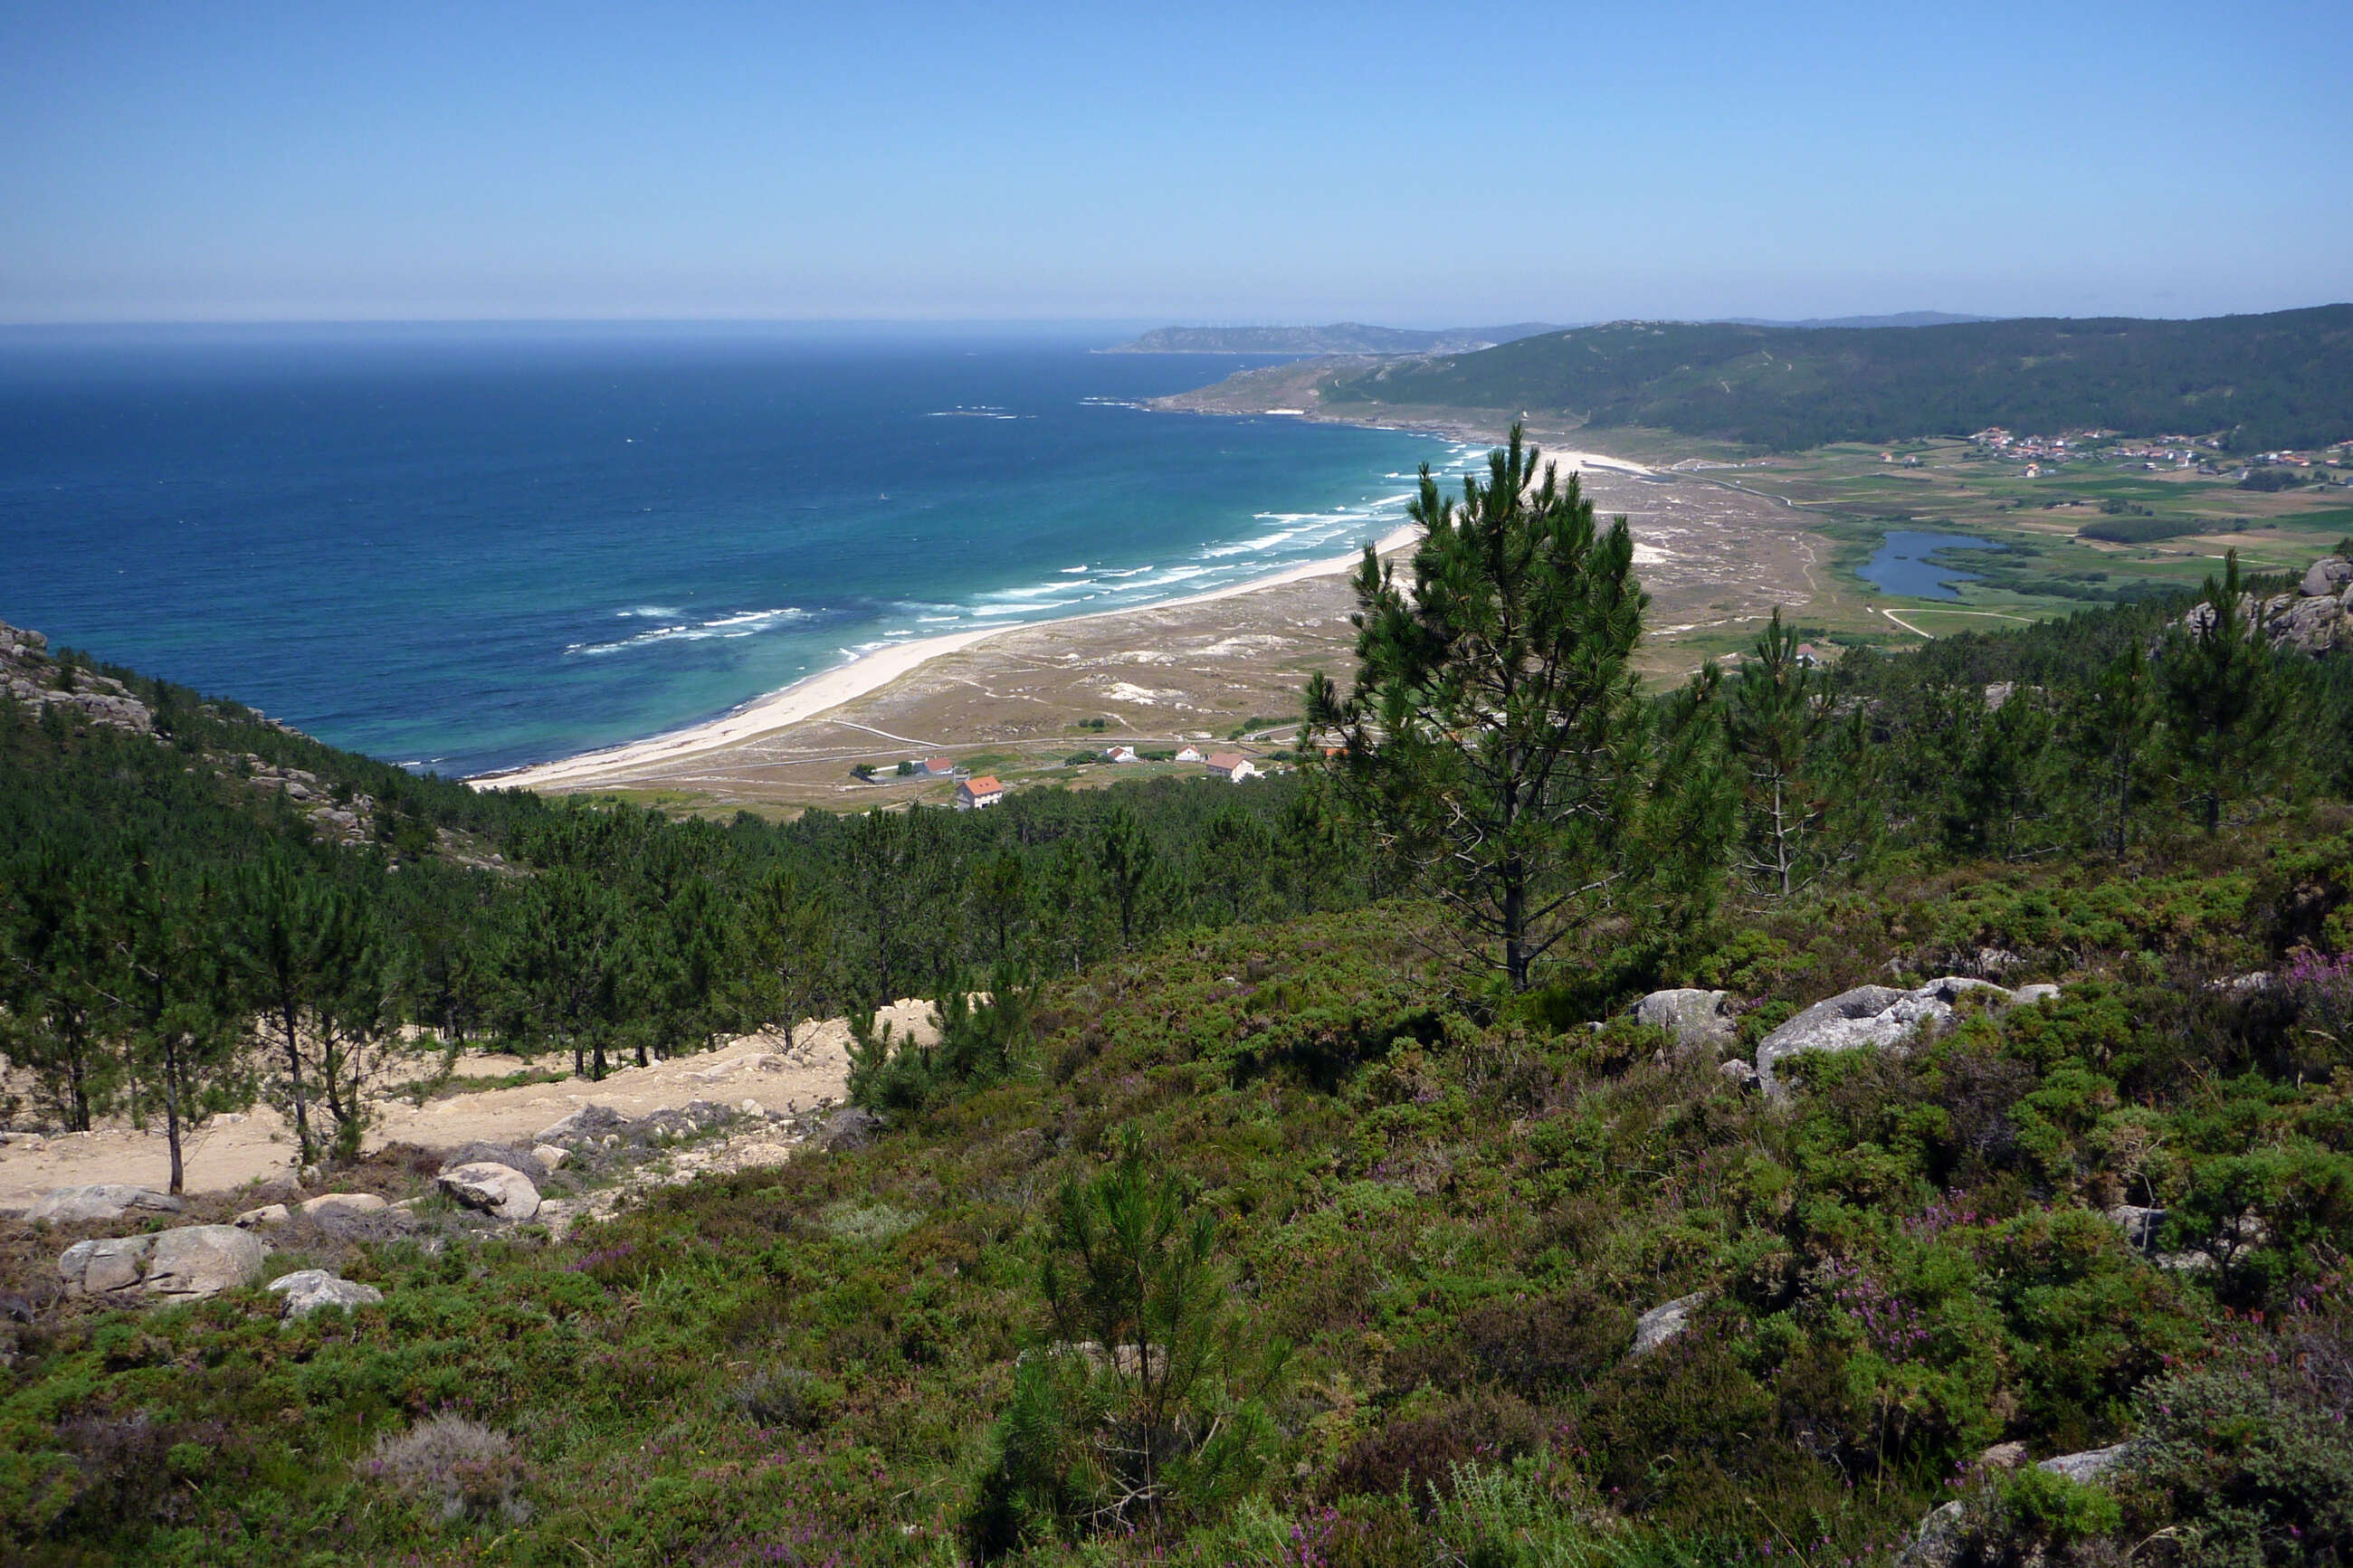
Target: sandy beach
[
  {"x": 1021, "y": 701},
  {"x": 823, "y": 693}
]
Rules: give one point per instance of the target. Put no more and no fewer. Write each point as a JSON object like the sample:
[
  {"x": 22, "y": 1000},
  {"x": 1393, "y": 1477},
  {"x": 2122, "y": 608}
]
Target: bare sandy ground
[{"x": 258, "y": 1145}]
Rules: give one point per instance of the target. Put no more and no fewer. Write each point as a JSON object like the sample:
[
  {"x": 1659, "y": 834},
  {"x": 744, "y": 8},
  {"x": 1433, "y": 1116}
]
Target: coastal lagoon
[
  {"x": 1905, "y": 563},
  {"x": 469, "y": 549}
]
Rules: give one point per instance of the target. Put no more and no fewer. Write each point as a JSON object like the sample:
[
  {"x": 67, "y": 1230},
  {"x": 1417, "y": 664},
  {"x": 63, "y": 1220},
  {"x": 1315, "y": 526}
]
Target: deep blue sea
[{"x": 463, "y": 549}]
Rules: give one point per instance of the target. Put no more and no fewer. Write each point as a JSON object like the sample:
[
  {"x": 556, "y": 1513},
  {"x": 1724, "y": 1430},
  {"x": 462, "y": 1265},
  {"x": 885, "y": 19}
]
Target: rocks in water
[
  {"x": 1661, "y": 1323},
  {"x": 496, "y": 1189},
  {"x": 1697, "y": 1019},
  {"x": 308, "y": 1289},
  {"x": 193, "y": 1261},
  {"x": 105, "y": 1200},
  {"x": 1874, "y": 1015}
]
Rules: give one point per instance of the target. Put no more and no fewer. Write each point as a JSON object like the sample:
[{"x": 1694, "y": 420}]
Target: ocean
[{"x": 469, "y": 549}]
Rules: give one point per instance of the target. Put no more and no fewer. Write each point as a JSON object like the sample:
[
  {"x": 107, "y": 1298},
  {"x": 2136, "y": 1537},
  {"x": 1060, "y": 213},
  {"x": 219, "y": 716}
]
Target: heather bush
[{"x": 454, "y": 1467}]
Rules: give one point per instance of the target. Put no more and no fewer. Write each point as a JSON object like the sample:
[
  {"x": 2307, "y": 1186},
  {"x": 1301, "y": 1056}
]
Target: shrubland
[{"x": 1256, "y": 1207}]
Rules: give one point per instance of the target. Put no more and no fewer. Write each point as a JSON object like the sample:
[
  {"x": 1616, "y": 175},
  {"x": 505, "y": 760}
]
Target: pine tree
[
  {"x": 179, "y": 1003},
  {"x": 291, "y": 940},
  {"x": 1778, "y": 719},
  {"x": 1130, "y": 864},
  {"x": 2224, "y": 698},
  {"x": 1495, "y": 739},
  {"x": 788, "y": 938},
  {"x": 2113, "y": 735}
]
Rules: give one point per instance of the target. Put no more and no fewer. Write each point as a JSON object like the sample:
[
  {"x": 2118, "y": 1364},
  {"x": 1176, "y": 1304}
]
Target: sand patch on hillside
[{"x": 258, "y": 1145}]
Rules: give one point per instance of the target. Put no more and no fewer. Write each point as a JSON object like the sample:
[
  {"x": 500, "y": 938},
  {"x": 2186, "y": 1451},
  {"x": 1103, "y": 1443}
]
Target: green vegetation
[
  {"x": 1230, "y": 1221},
  {"x": 2282, "y": 380},
  {"x": 171, "y": 929}
]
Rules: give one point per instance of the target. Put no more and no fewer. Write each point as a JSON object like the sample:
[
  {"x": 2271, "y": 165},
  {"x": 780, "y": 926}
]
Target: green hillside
[
  {"x": 1253, "y": 1216},
  {"x": 1338, "y": 337},
  {"x": 2267, "y": 381}
]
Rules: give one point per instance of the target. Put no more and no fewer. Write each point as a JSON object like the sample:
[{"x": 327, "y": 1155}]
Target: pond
[{"x": 1905, "y": 563}]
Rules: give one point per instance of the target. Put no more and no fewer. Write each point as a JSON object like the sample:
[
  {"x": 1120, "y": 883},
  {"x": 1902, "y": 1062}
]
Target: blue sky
[{"x": 1262, "y": 161}]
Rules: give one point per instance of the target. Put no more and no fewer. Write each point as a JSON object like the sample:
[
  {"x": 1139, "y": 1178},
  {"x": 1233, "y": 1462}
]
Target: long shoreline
[{"x": 813, "y": 696}]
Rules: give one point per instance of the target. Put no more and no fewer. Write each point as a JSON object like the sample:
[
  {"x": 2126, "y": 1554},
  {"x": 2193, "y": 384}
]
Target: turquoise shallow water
[{"x": 464, "y": 549}]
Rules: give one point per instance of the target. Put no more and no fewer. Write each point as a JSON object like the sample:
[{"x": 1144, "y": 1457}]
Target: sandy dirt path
[{"x": 256, "y": 1145}]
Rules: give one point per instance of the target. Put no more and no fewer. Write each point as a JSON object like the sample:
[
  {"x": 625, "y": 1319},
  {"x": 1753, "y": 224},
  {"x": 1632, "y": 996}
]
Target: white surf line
[{"x": 821, "y": 693}]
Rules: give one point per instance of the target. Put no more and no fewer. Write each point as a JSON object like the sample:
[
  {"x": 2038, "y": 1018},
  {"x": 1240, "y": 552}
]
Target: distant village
[{"x": 2203, "y": 453}]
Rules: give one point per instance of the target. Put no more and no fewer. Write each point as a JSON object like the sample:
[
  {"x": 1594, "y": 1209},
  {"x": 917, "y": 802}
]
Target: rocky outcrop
[
  {"x": 1697, "y": 1020},
  {"x": 105, "y": 1200},
  {"x": 1881, "y": 1016},
  {"x": 193, "y": 1261},
  {"x": 1878, "y": 1016},
  {"x": 500, "y": 1191},
  {"x": 84, "y": 696},
  {"x": 2317, "y": 618},
  {"x": 1661, "y": 1323},
  {"x": 308, "y": 1289}
]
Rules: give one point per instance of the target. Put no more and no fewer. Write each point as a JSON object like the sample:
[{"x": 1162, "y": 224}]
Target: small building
[
  {"x": 1191, "y": 754},
  {"x": 1231, "y": 765},
  {"x": 978, "y": 794},
  {"x": 1812, "y": 657},
  {"x": 1121, "y": 754},
  {"x": 939, "y": 767}
]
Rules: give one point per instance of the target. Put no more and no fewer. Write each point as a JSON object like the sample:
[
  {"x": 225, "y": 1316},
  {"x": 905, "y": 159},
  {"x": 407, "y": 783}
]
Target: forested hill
[
  {"x": 2282, "y": 380},
  {"x": 1339, "y": 338}
]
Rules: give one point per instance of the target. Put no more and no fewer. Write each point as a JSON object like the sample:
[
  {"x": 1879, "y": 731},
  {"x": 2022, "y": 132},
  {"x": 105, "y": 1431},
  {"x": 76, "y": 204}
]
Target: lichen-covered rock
[
  {"x": 104, "y": 1266},
  {"x": 1941, "y": 1539},
  {"x": 192, "y": 1261},
  {"x": 308, "y": 1289},
  {"x": 268, "y": 1214},
  {"x": 2328, "y": 577},
  {"x": 333, "y": 1205},
  {"x": 1696, "y": 1018},
  {"x": 1661, "y": 1323},
  {"x": 850, "y": 1128},
  {"x": 2089, "y": 1466},
  {"x": 1876, "y": 1016},
  {"x": 501, "y": 1191},
  {"x": 103, "y": 1200},
  {"x": 204, "y": 1261}
]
